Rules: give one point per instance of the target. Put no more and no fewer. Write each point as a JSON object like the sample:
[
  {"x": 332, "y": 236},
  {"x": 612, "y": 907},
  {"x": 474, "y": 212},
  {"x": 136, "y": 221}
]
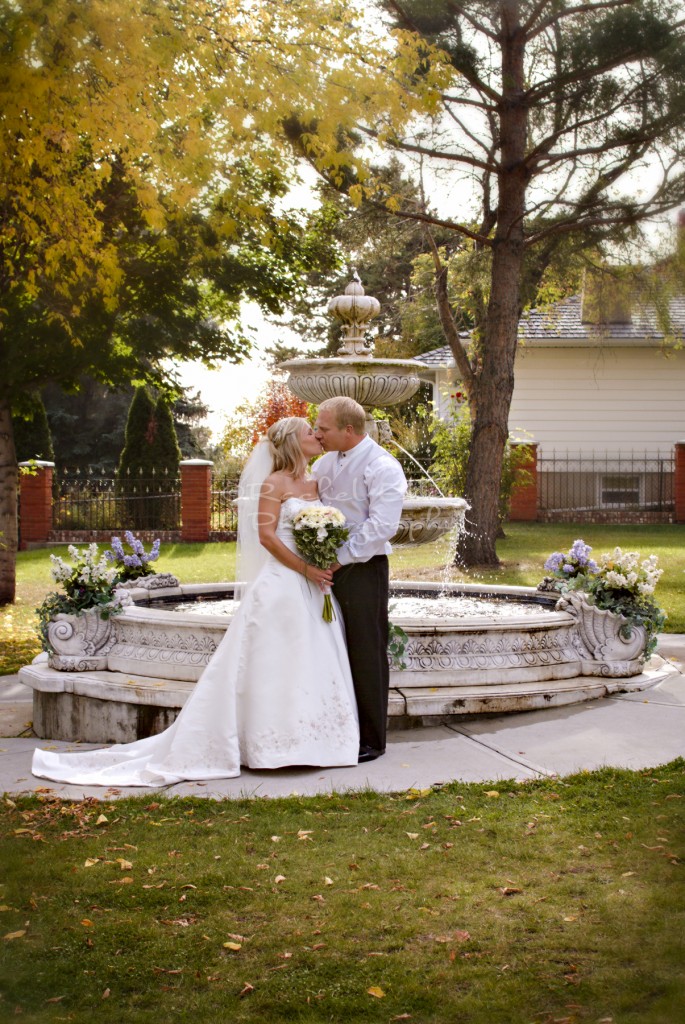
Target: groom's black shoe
[{"x": 369, "y": 754}]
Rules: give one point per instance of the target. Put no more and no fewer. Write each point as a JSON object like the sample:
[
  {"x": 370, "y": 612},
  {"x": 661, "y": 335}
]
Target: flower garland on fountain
[
  {"x": 618, "y": 584},
  {"x": 134, "y": 567},
  {"x": 74, "y": 625}
]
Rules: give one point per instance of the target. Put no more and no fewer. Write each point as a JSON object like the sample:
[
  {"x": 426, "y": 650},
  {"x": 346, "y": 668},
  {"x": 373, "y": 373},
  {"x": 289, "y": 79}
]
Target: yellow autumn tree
[{"x": 185, "y": 97}]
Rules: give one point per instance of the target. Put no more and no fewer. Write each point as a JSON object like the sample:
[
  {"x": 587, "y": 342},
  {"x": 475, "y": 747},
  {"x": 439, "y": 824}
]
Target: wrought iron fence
[
  {"x": 599, "y": 482},
  {"x": 224, "y": 510},
  {"x": 92, "y": 501}
]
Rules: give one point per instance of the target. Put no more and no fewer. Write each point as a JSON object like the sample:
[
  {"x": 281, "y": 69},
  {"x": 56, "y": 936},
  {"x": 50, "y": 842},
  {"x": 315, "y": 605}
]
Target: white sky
[{"x": 232, "y": 384}]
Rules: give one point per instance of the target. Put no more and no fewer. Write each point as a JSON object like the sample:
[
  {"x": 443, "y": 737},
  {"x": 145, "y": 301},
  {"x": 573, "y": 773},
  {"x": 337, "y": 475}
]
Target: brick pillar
[
  {"x": 196, "y": 499},
  {"x": 679, "y": 482},
  {"x": 524, "y": 498},
  {"x": 35, "y": 503}
]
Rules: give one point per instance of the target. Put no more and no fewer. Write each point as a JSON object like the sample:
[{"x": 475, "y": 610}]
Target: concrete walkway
[{"x": 638, "y": 730}]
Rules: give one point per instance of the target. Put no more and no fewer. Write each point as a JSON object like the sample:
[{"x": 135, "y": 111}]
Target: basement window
[{"x": 620, "y": 489}]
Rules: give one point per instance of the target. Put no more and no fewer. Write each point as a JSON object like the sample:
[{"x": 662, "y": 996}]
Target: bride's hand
[{"x": 322, "y": 577}]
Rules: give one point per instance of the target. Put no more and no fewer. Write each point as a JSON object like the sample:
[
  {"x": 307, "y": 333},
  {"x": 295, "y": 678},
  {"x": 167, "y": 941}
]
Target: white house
[{"x": 603, "y": 400}]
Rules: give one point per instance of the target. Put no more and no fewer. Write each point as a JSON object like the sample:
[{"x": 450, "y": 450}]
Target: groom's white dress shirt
[{"x": 367, "y": 484}]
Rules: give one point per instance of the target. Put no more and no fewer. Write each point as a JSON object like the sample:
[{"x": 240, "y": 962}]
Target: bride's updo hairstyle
[{"x": 284, "y": 437}]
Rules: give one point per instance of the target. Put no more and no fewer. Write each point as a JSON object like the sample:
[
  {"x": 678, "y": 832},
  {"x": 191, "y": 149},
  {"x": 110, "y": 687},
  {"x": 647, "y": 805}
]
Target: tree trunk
[
  {"x": 8, "y": 505},
  {"x": 495, "y": 381}
]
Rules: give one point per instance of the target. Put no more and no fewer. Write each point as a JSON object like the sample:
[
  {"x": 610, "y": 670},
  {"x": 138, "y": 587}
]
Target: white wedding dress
[{"x": 277, "y": 692}]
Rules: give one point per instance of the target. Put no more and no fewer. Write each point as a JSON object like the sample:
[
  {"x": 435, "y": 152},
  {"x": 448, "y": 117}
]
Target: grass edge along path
[{"x": 527, "y": 903}]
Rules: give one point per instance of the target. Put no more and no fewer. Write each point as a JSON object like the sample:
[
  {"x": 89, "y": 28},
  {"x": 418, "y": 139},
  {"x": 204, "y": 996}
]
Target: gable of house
[{"x": 588, "y": 386}]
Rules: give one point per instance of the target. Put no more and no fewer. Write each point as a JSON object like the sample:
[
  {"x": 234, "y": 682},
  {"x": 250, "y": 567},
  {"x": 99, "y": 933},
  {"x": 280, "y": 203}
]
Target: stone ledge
[{"x": 112, "y": 707}]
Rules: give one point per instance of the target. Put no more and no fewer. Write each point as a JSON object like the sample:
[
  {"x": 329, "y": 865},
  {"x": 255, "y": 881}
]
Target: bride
[{"x": 278, "y": 690}]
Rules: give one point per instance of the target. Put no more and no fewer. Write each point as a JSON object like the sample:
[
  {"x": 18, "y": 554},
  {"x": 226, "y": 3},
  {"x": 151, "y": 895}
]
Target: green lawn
[
  {"x": 538, "y": 903},
  {"x": 523, "y": 553}
]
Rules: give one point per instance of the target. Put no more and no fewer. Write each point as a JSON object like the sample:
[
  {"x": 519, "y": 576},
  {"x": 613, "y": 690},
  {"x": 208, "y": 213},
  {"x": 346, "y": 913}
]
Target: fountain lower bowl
[
  {"x": 453, "y": 666},
  {"x": 425, "y": 519}
]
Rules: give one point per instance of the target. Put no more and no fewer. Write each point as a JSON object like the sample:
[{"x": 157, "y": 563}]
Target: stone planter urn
[
  {"x": 79, "y": 641},
  {"x": 608, "y": 644}
]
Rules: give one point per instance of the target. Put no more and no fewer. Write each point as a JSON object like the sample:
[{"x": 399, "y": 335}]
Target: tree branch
[
  {"x": 569, "y": 12},
  {"x": 447, "y": 320},
  {"x": 410, "y": 147}
]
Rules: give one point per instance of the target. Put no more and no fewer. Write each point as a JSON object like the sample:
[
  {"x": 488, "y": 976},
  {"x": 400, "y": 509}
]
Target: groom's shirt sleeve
[{"x": 386, "y": 487}]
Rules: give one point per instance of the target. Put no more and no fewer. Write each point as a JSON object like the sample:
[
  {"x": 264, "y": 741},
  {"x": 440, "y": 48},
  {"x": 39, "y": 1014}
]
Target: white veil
[{"x": 250, "y": 555}]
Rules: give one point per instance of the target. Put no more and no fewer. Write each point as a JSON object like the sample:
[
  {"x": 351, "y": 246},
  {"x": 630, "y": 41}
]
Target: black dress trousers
[{"x": 362, "y": 591}]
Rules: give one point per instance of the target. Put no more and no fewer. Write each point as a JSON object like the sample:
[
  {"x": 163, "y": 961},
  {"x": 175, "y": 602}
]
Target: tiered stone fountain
[
  {"x": 132, "y": 680},
  {"x": 375, "y": 384}
]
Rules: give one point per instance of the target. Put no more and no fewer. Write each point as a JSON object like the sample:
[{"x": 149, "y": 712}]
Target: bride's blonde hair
[{"x": 284, "y": 437}]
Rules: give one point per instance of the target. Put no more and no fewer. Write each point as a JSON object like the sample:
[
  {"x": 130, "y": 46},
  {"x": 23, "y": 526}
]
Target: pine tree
[
  {"x": 136, "y": 464},
  {"x": 32, "y": 436},
  {"x": 166, "y": 456}
]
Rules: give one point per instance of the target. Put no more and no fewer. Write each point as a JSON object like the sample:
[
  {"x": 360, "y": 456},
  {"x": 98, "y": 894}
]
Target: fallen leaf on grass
[
  {"x": 457, "y": 936},
  {"x": 413, "y": 835},
  {"x": 87, "y": 923},
  {"x": 55, "y": 999},
  {"x": 91, "y": 862},
  {"x": 328, "y": 881},
  {"x": 107, "y": 993},
  {"x": 246, "y": 990},
  {"x": 402, "y": 1016},
  {"x": 166, "y": 970},
  {"x": 279, "y": 878},
  {"x": 571, "y": 917},
  {"x": 376, "y": 992},
  {"x": 492, "y": 793},
  {"x": 509, "y": 890},
  {"x": 102, "y": 820},
  {"x": 234, "y": 946},
  {"x": 15, "y": 935}
]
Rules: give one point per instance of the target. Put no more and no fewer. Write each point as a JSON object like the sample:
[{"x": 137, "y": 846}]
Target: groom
[{"x": 367, "y": 484}]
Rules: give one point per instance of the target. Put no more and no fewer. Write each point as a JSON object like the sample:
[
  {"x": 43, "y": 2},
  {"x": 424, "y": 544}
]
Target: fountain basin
[
  {"x": 532, "y": 658},
  {"x": 426, "y": 519},
  {"x": 371, "y": 382}
]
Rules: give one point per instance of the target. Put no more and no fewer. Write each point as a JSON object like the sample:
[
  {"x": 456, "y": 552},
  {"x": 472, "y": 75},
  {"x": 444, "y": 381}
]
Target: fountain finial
[{"x": 354, "y": 309}]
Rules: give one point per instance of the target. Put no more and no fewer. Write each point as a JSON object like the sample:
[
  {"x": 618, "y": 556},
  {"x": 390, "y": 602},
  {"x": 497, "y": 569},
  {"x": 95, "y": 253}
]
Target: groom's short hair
[{"x": 347, "y": 413}]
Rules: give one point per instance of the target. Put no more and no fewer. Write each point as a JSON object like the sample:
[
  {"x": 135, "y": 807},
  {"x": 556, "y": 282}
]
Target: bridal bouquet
[{"x": 319, "y": 531}]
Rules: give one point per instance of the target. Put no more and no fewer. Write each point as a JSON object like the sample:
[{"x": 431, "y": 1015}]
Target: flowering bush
[
  {"x": 319, "y": 531},
  {"x": 89, "y": 582},
  {"x": 619, "y": 583},
  {"x": 136, "y": 564},
  {"x": 574, "y": 562}
]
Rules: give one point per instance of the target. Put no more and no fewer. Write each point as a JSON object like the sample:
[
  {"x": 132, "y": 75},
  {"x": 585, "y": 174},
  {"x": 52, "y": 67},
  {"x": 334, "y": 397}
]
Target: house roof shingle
[{"x": 561, "y": 325}]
